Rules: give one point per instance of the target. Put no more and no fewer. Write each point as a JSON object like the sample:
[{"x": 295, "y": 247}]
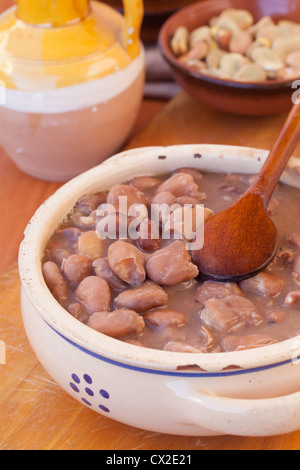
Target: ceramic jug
[{"x": 72, "y": 77}]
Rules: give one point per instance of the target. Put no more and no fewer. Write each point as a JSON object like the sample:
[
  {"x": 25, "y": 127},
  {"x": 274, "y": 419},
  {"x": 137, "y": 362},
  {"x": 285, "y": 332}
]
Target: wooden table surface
[{"x": 35, "y": 413}]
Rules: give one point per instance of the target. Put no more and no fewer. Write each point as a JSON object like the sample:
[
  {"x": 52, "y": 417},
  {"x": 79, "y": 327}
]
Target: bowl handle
[
  {"x": 240, "y": 417},
  {"x": 134, "y": 13}
]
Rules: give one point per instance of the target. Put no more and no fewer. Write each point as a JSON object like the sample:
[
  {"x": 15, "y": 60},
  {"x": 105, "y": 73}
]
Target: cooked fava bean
[
  {"x": 91, "y": 245},
  {"x": 165, "y": 317},
  {"x": 133, "y": 197},
  {"x": 78, "y": 311},
  {"x": 77, "y": 267},
  {"x": 141, "y": 299},
  {"x": 149, "y": 236},
  {"x": 265, "y": 284},
  {"x": 144, "y": 183},
  {"x": 217, "y": 290},
  {"x": 94, "y": 293},
  {"x": 177, "y": 346},
  {"x": 293, "y": 239},
  {"x": 180, "y": 184},
  {"x": 102, "y": 269},
  {"x": 91, "y": 202},
  {"x": 118, "y": 323},
  {"x": 230, "y": 314},
  {"x": 164, "y": 197},
  {"x": 55, "y": 282},
  {"x": 127, "y": 262},
  {"x": 240, "y": 343},
  {"x": 171, "y": 265}
]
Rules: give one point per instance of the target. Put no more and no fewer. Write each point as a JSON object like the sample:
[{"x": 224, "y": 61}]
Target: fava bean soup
[{"x": 113, "y": 265}]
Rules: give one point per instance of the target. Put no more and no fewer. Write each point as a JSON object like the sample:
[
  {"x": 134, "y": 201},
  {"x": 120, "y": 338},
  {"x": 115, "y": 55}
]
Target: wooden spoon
[{"x": 242, "y": 240}]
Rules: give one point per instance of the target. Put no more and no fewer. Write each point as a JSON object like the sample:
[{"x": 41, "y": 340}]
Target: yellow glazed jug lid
[{"x": 50, "y": 44}]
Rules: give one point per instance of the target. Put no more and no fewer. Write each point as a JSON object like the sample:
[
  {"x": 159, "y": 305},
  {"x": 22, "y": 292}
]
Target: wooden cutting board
[{"x": 35, "y": 413}]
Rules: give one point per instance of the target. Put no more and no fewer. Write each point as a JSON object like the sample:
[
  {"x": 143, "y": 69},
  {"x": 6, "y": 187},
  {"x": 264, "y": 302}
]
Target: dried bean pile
[
  {"x": 234, "y": 47},
  {"x": 147, "y": 291}
]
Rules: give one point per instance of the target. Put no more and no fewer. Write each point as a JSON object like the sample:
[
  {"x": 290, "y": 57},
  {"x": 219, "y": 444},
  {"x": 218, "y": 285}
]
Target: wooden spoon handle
[{"x": 279, "y": 156}]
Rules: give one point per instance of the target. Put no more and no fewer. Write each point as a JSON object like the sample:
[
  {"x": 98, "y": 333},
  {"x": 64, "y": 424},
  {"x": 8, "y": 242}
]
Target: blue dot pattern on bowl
[{"x": 89, "y": 392}]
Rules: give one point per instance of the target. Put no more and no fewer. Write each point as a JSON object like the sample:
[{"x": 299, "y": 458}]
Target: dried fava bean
[
  {"x": 240, "y": 343},
  {"x": 268, "y": 59},
  {"x": 263, "y": 22},
  {"x": 180, "y": 41},
  {"x": 283, "y": 47},
  {"x": 94, "y": 293},
  {"x": 240, "y": 42},
  {"x": 222, "y": 37},
  {"x": 55, "y": 282},
  {"x": 180, "y": 184},
  {"x": 165, "y": 317},
  {"x": 293, "y": 60},
  {"x": 230, "y": 63},
  {"x": 178, "y": 346},
  {"x": 199, "y": 34},
  {"x": 149, "y": 235},
  {"x": 128, "y": 262},
  {"x": 194, "y": 64},
  {"x": 242, "y": 18},
  {"x": 287, "y": 73},
  {"x": 272, "y": 32},
  {"x": 290, "y": 26},
  {"x": 213, "y": 58},
  {"x": 141, "y": 299},
  {"x": 76, "y": 267},
  {"x": 250, "y": 73},
  {"x": 102, "y": 269},
  {"x": 217, "y": 290},
  {"x": 265, "y": 284},
  {"x": 230, "y": 314},
  {"x": 143, "y": 183},
  {"x": 118, "y": 323},
  {"x": 198, "y": 52},
  {"x": 134, "y": 197},
  {"x": 225, "y": 24},
  {"x": 91, "y": 245},
  {"x": 171, "y": 265}
]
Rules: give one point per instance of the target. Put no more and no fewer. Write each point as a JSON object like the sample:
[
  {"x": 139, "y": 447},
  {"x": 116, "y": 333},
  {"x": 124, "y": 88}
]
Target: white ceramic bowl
[{"x": 249, "y": 393}]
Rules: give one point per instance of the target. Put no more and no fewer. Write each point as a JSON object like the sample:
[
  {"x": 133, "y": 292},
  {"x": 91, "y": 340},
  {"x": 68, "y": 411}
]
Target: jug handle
[{"x": 134, "y": 13}]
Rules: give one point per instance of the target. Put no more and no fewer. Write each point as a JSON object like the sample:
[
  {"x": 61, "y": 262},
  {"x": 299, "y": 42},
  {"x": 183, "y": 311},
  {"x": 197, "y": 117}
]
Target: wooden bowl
[{"x": 256, "y": 99}]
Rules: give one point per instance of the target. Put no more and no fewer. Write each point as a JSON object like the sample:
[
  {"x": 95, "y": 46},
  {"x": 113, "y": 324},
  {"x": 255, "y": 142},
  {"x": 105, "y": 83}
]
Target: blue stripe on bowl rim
[{"x": 145, "y": 370}]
